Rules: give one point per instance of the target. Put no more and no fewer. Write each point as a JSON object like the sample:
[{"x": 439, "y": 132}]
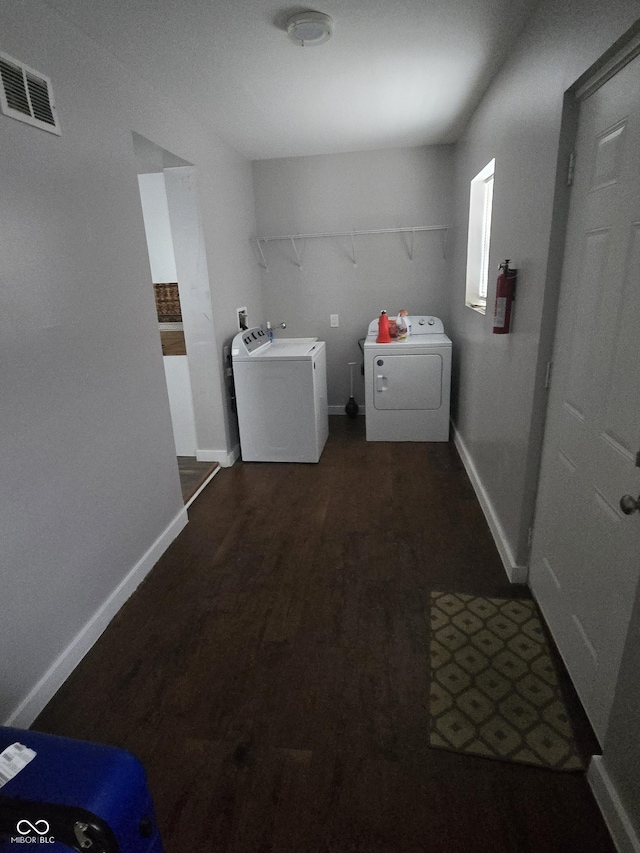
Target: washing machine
[
  {"x": 281, "y": 397},
  {"x": 407, "y": 383}
]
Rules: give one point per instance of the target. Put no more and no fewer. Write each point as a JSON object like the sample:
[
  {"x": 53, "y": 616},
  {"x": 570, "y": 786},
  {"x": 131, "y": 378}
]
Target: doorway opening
[{"x": 173, "y": 311}]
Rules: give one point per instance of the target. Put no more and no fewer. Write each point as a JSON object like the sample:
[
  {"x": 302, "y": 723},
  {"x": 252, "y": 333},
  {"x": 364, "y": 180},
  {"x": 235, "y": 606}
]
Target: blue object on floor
[{"x": 73, "y": 791}]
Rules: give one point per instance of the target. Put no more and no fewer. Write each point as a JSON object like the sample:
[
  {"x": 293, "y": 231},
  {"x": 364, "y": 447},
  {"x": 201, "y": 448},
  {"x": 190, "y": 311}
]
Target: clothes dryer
[{"x": 407, "y": 383}]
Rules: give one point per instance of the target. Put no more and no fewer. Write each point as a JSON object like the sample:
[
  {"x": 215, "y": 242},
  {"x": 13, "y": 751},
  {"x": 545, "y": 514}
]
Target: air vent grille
[
  {"x": 26, "y": 95},
  {"x": 40, "y": 103},
  {"x": 13, "y": 82}
]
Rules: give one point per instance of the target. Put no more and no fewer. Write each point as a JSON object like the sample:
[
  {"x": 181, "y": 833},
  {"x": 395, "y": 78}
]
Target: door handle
[
  {"x": 381, "y": 382},
  {"x": 629, "y": 504}
]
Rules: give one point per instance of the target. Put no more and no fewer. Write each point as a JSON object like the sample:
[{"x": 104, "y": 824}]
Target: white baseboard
[
  {"x": 26, "y": 712},
  {"x": 224, "y": 458},
  {"x": 203, "y": 486},
  {"x": 339, "y": 410},
  {"x": 615, "y": 816},
  {"x": 515, "y": 573}
]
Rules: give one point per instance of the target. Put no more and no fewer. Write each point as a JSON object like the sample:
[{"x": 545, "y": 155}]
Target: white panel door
[{"x": 585, "y": 559}]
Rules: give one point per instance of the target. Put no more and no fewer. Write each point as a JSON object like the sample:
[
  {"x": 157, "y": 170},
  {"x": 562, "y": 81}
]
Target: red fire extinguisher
[{"x": 505, "y": 294}]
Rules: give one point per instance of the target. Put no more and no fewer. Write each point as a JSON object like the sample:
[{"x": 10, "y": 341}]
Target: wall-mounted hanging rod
[
  {"x": 412, "y": 229},
  {"x": 355, "y": 233}
]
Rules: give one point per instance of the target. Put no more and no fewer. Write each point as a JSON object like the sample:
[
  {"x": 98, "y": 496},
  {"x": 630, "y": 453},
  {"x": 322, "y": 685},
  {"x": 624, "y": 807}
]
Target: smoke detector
[{"x": 309, "y": 28}]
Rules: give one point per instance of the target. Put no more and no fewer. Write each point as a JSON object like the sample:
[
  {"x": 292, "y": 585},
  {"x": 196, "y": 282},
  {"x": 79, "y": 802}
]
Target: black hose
[{"x": 361, "y": 345}]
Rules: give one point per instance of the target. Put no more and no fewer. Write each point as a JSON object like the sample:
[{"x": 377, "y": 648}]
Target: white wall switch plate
[{"x": 333, "y": 321}]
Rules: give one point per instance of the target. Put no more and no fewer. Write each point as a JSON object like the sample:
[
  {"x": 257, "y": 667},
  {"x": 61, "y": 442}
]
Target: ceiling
[{"x": 395, "y": 73}]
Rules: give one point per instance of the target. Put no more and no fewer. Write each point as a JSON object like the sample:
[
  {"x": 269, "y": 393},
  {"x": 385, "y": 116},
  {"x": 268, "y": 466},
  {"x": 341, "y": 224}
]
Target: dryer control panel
[{"x": 420, "y": 325}]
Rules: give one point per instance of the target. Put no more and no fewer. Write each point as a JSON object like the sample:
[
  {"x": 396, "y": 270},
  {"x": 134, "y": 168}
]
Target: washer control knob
[
  {"x": 431, "y": 321},
  {"x": 379, "y": 362}
]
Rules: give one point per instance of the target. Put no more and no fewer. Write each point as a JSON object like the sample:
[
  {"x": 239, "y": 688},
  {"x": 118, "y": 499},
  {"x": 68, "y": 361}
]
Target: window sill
[{"x": 480, "y": 307}]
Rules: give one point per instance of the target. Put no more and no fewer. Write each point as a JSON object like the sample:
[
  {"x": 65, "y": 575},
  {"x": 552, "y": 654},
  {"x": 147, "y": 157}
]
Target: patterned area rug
[{"x": 494, "y": 690}]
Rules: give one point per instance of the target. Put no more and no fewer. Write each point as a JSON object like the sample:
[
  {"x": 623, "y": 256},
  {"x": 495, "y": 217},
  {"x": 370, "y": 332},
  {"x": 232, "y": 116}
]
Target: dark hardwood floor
[
  {"x": 193, "y": 474},
  {"x": 272, "y": 671}
]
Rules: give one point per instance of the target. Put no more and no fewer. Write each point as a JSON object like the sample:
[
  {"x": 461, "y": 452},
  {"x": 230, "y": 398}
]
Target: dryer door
[{"x": 407, "y": 381}]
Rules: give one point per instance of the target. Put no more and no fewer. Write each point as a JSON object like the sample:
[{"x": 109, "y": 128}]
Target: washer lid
[
  {"x": 254, "y": 345},
  {"x": 290, "y": 348}
]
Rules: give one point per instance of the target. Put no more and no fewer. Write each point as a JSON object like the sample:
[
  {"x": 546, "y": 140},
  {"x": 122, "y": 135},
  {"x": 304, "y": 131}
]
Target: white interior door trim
[{"x": 609, "y": 65}]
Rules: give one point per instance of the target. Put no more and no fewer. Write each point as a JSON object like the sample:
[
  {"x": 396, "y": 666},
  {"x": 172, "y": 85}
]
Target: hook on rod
[
  {"x": 293, "y": 243},
  {"x": 264, "y": 262},
  {"x": 445, "y": 234}
]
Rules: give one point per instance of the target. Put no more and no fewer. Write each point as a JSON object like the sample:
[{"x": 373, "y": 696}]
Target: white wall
[
  {"x": 176, "y": 369},
  {"x": 621, "y": 754},
  {"x": 155, "y": 210},
  {"x": 198, "y": 314},
  {"x": 157, "y": 226},
  {"x": 89, "y": 483},
  {"x": 498, "y": 395},
  {"x": 358, "y": 191},
  {"x": 499, "y": 399}
]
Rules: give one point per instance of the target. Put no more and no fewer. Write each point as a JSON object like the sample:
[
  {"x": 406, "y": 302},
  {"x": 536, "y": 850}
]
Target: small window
[{"x": 479, "y": 241}]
